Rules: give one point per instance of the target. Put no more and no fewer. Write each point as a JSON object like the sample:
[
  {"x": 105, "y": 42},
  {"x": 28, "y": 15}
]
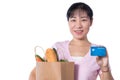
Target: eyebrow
[{"x": 84, "y": 16}]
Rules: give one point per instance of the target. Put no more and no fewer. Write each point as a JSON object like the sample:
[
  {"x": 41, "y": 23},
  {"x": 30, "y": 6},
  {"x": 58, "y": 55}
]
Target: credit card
[{"x": 98, "y": 51}]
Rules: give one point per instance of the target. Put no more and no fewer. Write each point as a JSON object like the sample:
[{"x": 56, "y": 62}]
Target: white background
[{"x": 25, "y": 24}]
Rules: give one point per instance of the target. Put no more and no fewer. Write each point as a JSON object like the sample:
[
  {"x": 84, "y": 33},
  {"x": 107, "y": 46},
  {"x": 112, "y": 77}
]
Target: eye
[
  {"x": 84, "y": 19},
  {"x": 73, "y": 20}
]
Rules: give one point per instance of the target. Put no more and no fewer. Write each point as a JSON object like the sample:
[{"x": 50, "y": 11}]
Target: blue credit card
[{"x": 98, "y": 51}]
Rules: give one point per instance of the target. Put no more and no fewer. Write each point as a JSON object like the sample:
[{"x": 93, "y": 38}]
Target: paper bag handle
[{"x": 35, "y": 50}]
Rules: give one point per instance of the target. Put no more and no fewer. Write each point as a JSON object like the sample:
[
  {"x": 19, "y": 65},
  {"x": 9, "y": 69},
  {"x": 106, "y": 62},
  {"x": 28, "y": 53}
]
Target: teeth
[{"x": 79, "y": 30}]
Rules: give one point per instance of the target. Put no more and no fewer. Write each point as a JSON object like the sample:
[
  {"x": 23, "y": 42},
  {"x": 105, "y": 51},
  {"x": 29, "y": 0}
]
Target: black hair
[{"x": 81, "y": 6}]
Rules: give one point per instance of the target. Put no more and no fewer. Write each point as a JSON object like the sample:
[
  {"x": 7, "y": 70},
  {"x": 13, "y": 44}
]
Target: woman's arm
[
  {"x": 33, "y": 74},
  {"x": 106, "y": 74}
]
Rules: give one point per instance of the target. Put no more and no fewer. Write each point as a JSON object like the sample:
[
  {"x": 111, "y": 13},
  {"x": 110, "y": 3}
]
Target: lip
[{"x": 78, "y": 31}]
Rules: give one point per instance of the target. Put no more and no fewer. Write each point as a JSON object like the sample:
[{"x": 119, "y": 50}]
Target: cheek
[
  {"x": 70, "y": 26},
  {"x": 86, "y": 29},
  {"x": 87, "y": 26},
  {"x": 71, "y": 29}
]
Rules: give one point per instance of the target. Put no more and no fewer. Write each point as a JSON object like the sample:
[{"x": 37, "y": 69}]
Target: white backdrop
[{"x": 27, "y": 23}]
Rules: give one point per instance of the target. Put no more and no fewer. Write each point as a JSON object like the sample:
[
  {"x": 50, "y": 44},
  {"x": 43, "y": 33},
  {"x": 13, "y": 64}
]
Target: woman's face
[{"x": 79, "y": 24}]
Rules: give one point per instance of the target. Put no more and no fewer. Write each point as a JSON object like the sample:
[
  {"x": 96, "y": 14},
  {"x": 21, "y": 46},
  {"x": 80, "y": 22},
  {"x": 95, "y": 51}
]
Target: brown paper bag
[{"x": 55, "y": 71}]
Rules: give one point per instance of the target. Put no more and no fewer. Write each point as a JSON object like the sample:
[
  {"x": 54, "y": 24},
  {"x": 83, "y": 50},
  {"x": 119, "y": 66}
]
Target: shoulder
[
  {"x": 98, "y": 45},
  {"x": 61, "y": 43}
]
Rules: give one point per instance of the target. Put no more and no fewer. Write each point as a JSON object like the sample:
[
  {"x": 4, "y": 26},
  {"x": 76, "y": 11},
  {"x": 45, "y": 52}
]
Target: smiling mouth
[{"x": 78, "y": 31}]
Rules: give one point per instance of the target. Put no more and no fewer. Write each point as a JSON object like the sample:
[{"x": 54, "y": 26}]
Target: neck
[{"x": 78, "y": 42}]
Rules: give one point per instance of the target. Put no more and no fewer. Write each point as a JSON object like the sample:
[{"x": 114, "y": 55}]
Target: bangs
[{"x": 77, "y": 11}]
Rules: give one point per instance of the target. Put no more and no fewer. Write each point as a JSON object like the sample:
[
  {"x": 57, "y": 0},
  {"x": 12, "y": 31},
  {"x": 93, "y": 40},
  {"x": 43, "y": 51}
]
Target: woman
[{"x": 87, "y": 67}]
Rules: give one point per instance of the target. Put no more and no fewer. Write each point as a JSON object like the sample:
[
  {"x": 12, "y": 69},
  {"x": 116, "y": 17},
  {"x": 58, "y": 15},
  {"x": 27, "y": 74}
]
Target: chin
[{"x": 79, "y": 38}]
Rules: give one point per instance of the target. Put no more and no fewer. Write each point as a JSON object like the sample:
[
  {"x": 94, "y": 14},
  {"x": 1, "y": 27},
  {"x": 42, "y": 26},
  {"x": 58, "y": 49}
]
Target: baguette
[{"x": 51, "y": 55}]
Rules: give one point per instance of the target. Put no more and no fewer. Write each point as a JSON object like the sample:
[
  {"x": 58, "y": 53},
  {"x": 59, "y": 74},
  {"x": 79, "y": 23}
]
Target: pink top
[{"x": 85, "y": 69}]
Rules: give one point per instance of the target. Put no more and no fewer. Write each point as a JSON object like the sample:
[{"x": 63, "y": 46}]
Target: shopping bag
[{"x": 55, "y": 71}]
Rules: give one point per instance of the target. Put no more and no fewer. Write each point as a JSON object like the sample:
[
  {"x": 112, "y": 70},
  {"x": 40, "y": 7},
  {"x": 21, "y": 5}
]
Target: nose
[{"x": 78, "y": 24}]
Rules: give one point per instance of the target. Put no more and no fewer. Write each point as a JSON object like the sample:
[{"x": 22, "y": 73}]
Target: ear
[{"x": 91, "y": 21}]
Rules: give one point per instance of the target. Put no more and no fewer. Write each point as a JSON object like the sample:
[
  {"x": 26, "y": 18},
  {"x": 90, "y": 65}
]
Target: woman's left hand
[{"x": 103, "y": 62}]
